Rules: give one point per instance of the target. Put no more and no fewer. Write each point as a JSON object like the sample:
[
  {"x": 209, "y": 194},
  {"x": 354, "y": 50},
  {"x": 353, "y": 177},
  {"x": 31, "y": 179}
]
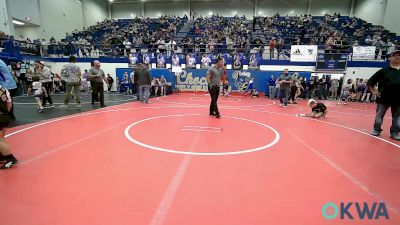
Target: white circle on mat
[{"x": 130, "y": 138}]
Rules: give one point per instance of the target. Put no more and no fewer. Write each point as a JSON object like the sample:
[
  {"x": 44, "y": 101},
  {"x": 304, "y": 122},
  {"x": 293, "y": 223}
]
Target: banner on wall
[
  {"x": 364, "y": 52},
  {"x": 303, "y": 53},
  {"x": 195, "y": 79},
  {"x": 191, "y": 80}
]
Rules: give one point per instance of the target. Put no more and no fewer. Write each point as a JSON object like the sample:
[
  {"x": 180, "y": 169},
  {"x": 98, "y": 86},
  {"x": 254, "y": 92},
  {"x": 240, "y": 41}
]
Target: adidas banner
[{"x": 303, "y": 53}]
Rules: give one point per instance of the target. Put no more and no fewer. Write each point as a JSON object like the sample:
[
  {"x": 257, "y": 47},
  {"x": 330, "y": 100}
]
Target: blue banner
[{"x": 195, "y": 79}]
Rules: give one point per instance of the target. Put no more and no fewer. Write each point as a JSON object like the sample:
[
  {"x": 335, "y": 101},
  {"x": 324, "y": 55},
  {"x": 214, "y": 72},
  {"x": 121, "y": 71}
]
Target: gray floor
[{"x": 25, "y": 107}]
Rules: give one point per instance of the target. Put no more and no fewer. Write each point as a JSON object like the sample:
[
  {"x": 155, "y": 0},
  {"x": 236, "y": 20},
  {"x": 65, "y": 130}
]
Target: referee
[
  {"x": 388, "y": 95},
  {"x": 214, "y": 77}
]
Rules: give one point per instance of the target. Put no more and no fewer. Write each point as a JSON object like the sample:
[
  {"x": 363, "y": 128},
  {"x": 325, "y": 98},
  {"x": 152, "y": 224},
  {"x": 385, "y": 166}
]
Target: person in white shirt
[
  {"x": 132, "y": 60},
  {"x": 160, "y": 61},
  {"x": 146, "y": 59},
  {"x": 45, "y": 78},
  {"x": 38, "y": 92},
  {"x": 175, "y": 60},
  {"x": 191, "y": 61},
  {"x": 161, "y": 45},
  {"x": 205, "y": 61}
]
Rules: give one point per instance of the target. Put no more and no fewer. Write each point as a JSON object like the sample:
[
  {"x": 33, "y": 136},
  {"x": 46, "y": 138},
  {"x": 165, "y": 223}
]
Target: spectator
[
  {"x": 45, "y": 78},
  {"x": 271, "y": 87},
  {"x": 71, "y": 73},
  {"x": 110, "y": 82},
  {"x": 143, "y": 79},
  {"x": 272, "y": 45}
]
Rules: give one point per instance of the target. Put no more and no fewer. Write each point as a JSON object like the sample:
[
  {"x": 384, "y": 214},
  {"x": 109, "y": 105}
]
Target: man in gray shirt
[
  {"x": 71, "y": 73},
  {"x": 96, "y": 75},
  {"x": 214, "y": 77},
  {"x": 285, "y": 80}
]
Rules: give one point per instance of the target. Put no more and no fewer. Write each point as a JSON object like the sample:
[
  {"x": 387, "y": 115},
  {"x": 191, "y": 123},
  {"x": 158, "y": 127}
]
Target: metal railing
[{"x": 119, "y": 50}]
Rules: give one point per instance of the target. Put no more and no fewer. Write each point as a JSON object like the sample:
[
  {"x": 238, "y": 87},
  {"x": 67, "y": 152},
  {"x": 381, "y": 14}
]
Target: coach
[{"x": 388, "y": 95}]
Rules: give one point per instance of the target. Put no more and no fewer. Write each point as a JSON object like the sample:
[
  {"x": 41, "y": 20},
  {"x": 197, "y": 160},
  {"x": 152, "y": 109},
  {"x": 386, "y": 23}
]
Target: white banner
[
  {"x": 364, "y": 52},
  {"x": 303, "y": 53}
]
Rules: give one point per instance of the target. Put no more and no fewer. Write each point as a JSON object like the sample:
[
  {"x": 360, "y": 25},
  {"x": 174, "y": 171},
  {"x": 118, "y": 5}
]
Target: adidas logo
[{"x": 297, "y": 52}]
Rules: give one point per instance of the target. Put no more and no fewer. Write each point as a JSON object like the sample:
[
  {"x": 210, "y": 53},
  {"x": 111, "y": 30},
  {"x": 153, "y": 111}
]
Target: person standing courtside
[
  {"x": 45, "y": 78},
  {"x": 388, "y": 95},
  {"x": 143, "y": 79},
  {"x": 97, "y": 76},
  {"x": 71, "y": 73},
  {"x": 285, "y": 80},
  {"x": 7, "y": 160},
  {"x": 214, "y": 77}
]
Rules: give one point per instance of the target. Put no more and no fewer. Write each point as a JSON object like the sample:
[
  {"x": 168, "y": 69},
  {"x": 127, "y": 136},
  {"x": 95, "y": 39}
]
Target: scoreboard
[{"x": 331, "y": 62}]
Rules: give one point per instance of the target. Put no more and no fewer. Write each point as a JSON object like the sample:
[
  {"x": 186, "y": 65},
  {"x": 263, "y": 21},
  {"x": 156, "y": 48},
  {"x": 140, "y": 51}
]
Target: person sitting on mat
[{"x": 318, "y": 110}]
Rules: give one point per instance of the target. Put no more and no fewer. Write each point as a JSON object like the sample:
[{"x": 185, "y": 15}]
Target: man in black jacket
[{"x": 143, "y": 79}]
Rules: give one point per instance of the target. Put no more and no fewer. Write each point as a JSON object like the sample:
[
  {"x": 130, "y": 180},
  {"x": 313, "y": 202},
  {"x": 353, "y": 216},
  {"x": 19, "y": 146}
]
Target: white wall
[
  {"x": 155, "y": 9},
  {"x": 5, "y": 20},
  {"x": 224, "y": 8},
  {"x": 369, "y": 10},
  {"x": 363, "y": 72},
  {"x": 56, "y": 18},
  {"x": 392, "y": 16},
  {"x": 94, "y": 11},
  {"x": 283, "y": 7},
  {"x": 21, "y": 9},
  {"x": 126, "y": 10},
  {"x": 321, "y": 7}
]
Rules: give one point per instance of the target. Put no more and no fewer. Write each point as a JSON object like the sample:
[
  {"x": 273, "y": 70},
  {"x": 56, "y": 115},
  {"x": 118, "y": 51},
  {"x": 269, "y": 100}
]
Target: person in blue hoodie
[{"x": 7, "y": 81}]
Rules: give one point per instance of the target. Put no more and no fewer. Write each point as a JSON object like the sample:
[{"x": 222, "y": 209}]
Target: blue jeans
[
  {"x": 277, "y": 92},
  {"x": 144, "y": 93},
  {"x": 283, "y": 96},
  {"x": 380, "y": 113},
  {"x": 271, "y": 91}
]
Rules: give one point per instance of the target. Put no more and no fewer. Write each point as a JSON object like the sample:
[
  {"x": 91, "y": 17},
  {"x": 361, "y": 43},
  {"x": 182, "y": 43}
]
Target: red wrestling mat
[{"x": 170, "y": 163}]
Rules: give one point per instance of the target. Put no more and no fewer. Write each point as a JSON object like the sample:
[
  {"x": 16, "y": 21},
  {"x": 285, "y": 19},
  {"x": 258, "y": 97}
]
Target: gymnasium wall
[
  {"x": 321, "y": 7},
  {"x": 289, "y": 7},
  {"x": 94, "y": 11},
  {"x": 5, "y": 24},
  {"x": 56, "y": 18},
  {"x": 369, "y": 10},
  {"x": 392, "y": 16},
  {"x": 126, "y": 10}
]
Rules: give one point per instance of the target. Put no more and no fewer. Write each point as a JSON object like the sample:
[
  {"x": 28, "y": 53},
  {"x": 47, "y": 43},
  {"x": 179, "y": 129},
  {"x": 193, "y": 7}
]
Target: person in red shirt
[{"x": 272, "y": 45}]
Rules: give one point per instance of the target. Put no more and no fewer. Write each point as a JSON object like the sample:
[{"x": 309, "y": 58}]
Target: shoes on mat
[
  {"x": 395, "y": 137},
  {"x": 375, "y": 133}
]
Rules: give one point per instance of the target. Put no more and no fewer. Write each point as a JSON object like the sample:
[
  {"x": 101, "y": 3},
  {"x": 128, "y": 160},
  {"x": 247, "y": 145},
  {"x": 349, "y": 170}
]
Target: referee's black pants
[
  {"x": 98, "y": 89},
  {"x": 214, "y": 93}
]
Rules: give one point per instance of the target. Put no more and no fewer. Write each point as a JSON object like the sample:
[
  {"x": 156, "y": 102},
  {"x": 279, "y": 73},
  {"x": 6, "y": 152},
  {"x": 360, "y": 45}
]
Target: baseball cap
[{"x": 394, "y": 52}]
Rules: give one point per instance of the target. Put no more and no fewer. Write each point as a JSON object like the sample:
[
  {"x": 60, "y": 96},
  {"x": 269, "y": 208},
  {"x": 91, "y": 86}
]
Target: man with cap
[
  {"x": 388, "y": 95},
  {"x": 97, "y": 76}
]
